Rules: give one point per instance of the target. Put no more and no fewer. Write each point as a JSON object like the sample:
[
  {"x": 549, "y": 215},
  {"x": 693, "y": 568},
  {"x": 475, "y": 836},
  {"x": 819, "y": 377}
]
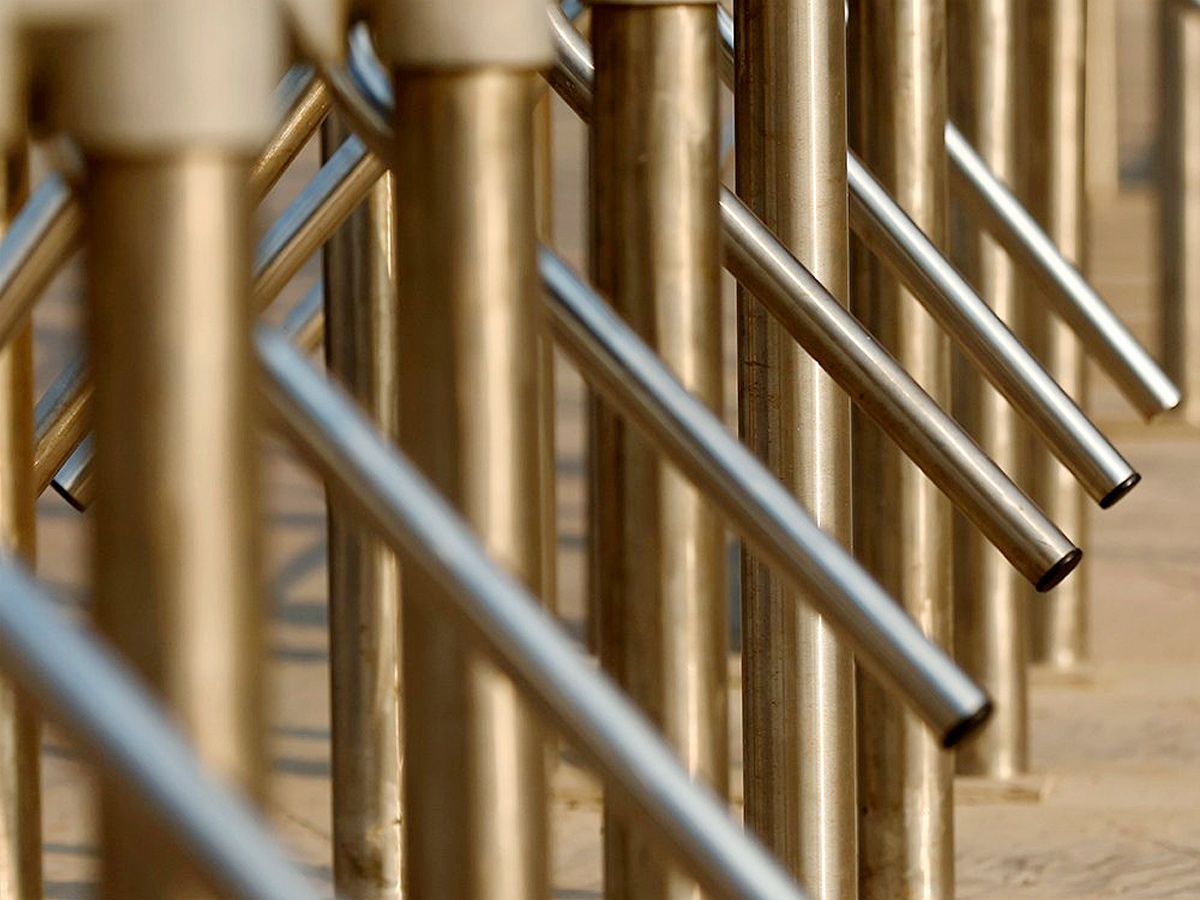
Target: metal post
[
  {"x": 990, "y": 630},
  {"x": 20, "y": 791},
  {"x": 1180, "y": 199},
  {"x": 178, "y": 578},
  {"x": 897, "y": 99},
  {"x": 364, "y": 576},
  {"x": 467, "y": 283},
  {"x": 1053, "y": 185},
  {"x": 1101, "y": 126},
  {"x": 543, "y": 164},
  {"x": 658, "y": 547},
  {"x": 798, "y": 696}
]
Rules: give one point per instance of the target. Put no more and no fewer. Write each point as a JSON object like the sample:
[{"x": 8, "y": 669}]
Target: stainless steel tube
[
  {"x": 361, "y": 352},
  {"x": 978, "y": 331},
  {"x": 37, "y": 242},
  {"x": 178, "y": 586},
  {"x": 901, "y": 244},
  {"x": 20, "y": 726},
  {"x": 863, "y": 368},
  {"x": 658, "y": 546},
  {"x": 990, "y": 602},
  {"x": 63, "y": 414},
  {"x": 1053, "y": 189},
  {"x": 884, "y": 391},
  {"x": 96, "y": 698},
  {"x": 1179, "y": 201},
  {"x": 50, "y": 228},
  {"x": 897, "y": 99},
  {"x": 1104, "y": 336},
  {"x": 497, "y": 613},
  {"x": 633, "y": 379},
  {"x": 466, "y": 280},
  {"x": 798, "y": 694}
]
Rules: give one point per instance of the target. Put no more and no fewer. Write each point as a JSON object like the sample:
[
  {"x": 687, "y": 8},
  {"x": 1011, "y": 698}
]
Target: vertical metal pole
[
  {"x": 543, "y": 165},
  {"x": 169, "y": 145},
  {"x": 798, "y": 695},
  {"x": 177, "y": 581},
  {"x": 467, "y": 282},
  {"x": 990, "y": 597},
  {"x": 20, "y": 790},
  {"x": 364, "y": 576},
  {"x": 1052, "y": 186},
  {"x": 897, "y": 72},
  {"x": 658, "y": 546},
  {"x": 1102, "y": 135},
  {"x": 1179, "y": 134}
]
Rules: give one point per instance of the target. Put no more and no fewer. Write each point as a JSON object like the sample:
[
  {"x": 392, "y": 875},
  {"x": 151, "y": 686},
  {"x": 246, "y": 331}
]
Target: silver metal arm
[
  {"x": 1107, "y": 339},
  {"x": 85, "y": 689},
  {"x": 519, "y": 634}
]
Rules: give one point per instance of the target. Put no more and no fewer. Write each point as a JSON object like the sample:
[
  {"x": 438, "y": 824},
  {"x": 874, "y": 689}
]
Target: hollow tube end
[
  {"x": 68, "y": 496},
  {"x": 1111, "y": 498},
  {"x": 1059, "y": 570},
  {"x": 968, "y": 725}
]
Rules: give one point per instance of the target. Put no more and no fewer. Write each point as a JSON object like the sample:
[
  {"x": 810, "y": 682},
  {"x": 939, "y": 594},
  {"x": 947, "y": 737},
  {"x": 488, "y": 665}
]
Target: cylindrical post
[
  {"x": 897, "y": 97},
  {"x": 20, "y": 791},
  {"x": 170, "y": 134},
  {"x": 465, "y": 77},
  {"x": 1179, "y": 135},
  {"x": 798, "y": 699},
  {"x": 543, "y": 167},
  {"x": 364, "y": 577},
  {"x": 1052, "y": 186},
  {"x": 990, "y": 599},
  {"x": 658, "y": 546}
]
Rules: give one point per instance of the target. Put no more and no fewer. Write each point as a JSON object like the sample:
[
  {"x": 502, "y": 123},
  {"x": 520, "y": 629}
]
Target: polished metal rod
[
  {"x": 833, "y": 337},
  {"x": 885, "y": 392},
  {"x": 618, "y": 364},
  {"x": 885, "y": 228},
  {"x": 49, "y": 227},
  {"x": 901, "y": 244},
  {"x": 83, "y": 686},
  {"x": 62, "y": 414},
  {"x": 1104, "y": 335},
  {"x": 38, "y": 241},
  {"x": 497, "y": 611}
]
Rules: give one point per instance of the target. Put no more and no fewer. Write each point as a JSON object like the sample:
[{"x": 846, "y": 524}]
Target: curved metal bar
[
  {"x": 1104, "y": 335},
  {"x": 520, "y": 635}
]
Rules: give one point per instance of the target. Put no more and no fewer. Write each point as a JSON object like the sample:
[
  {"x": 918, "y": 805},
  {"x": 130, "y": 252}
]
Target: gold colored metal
[
  {"x": 20, "y": 790},
  {"x": 1052, "y": 188},
  {"x": 71, "y": 393},
  {"x": 176, "y": 515},
  {"x": 468, "y": 292},
  {"x": 798, "y": 695},
  {"x": 1102, "y": 137},
  {"x": 897, "y": 98},
  {"x": 361, "y": 352},
  {"x": 1180, "y": 199},
  {"x": 990, "y": 598},
  {"x": 543, "y": 166},
  {"x": 658, "y": 547},
  {"x": 298, "y": 126}
]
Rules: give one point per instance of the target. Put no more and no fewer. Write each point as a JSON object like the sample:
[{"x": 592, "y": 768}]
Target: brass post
[
  {"x": 897, "y": 98},
  {"x": 990, "y": 598},
  {"x": 658, "y": 547},
  {"x": 798, "y": 695},
  {"x": 361, "y": 351}
]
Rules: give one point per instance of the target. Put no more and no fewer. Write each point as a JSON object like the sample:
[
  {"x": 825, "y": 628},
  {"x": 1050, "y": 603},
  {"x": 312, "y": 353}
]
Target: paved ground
[{"x": 1120, "y": 751}]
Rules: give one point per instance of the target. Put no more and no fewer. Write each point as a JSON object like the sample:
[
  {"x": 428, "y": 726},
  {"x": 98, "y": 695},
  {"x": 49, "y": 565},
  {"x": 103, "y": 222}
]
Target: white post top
[{"x": 446, "y": 34}]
